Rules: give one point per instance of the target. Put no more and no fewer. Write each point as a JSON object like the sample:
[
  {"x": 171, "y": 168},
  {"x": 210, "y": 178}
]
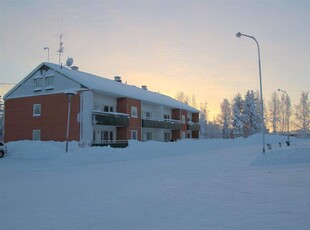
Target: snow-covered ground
[{"x": 190, "y": 184}]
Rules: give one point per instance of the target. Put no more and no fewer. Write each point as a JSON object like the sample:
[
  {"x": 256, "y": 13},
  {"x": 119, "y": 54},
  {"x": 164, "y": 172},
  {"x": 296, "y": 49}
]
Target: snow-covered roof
[{"x": 105, "y": 85}]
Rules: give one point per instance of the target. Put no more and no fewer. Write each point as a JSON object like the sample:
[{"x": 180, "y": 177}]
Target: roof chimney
[
  {"x": 118, "y": 79},
  {"x": 144, "y": 87}
]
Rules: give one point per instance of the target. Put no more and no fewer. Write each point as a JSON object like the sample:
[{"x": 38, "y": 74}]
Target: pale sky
[{"x": 168, "y": 45}]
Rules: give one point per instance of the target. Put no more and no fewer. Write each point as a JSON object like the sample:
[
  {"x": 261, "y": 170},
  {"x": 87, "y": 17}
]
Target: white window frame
[
  {"x": 37, "y": 84},
  {"x": 49, "y": 82},
  {"x": 134, "y": 111},
  {"x": 134, "y": 135},
  {"x": 36, "y": 134},
  {"x": 36, "y": 110}
]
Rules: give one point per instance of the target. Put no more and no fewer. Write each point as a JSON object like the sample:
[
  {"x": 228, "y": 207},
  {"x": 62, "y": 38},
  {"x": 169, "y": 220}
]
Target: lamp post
[
  {"x": 288, "y": 116},
  {"x": 48, "y": 53},
  {"x": 238, "y": 35},
  {"x": 70, "y": 94}
]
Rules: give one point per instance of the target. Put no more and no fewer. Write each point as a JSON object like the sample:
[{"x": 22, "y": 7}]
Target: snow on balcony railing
[{"x": 110, "y": 113}]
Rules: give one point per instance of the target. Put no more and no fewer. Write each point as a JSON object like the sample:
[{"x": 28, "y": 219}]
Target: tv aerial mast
[{"x": 61, "y": 48}]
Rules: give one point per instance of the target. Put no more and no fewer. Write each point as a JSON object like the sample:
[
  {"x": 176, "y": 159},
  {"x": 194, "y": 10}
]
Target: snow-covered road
[{"x": 205, "y": 184}]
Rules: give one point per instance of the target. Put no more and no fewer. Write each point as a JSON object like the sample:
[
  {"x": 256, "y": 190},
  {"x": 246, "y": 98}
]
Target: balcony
[
  {"x": 193, "y": 126},
  {"x": 162, "y": 124},
  {"x": 110, "y": 118}
]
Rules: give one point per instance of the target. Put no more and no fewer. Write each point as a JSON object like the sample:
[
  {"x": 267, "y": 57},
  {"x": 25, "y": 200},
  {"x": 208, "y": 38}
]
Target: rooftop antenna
[
  {"x": 61, "y": 48},
  {"x": 48, "y": 53}
]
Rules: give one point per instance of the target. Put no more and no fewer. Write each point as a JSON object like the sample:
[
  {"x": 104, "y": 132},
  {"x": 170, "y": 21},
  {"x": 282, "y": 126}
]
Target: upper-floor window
[
  {"x": 107, "y": 108},
  {"x": 37, "y": 84},
  {"x": 49, "y": 82},
  {"x": 36, "y": 110},
  {"x": 166, "y": 117},
  {"x": 183, "y": 118},
  {"x": 134, "y": 111},
  {"x": 147, "y": 114}
]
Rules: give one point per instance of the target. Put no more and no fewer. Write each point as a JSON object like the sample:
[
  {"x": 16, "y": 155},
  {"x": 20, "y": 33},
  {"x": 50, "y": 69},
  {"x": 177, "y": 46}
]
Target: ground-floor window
[
  {"x": 106, "y": 136},
  {"x": 167, "y": 137},
  {"x": 147, "y": 136},
  {"x": 134, "y": 135},
  {"x": 36, "y": 134}
]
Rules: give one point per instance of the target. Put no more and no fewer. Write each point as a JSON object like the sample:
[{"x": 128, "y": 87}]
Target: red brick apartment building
[{"x": 102, "y": 111}]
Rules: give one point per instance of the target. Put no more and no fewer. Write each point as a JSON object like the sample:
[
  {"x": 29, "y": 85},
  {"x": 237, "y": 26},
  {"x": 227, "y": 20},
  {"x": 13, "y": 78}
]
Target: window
[
  {"x": 106, "y": 108},
  {"x": 147, "y": 114},
  {"x": 37, "y": 84},
  {"x": 36, "y": 134},
  {"x": 167, "y": 137},
  {"x": 133, "y": 134},
  {"x": 134, "y": 111},
  {"x": 183, "y": 118},
  {"x": 149, "y": 136},
  {"x": 49, "y": 82},
  {"x": 94, "y": 135},
  {"x": 36, "y": 110},
  {"x": 166, "y": 117}
]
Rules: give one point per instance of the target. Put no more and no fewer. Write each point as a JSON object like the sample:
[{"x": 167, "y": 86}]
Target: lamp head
[{"x": 238, "y": 35}]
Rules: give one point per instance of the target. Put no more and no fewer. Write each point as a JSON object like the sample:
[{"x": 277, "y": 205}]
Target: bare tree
[
  {"x": 302, "y": 113},
  {"x": 286, "y": 112},
  {"x": 274, "y": 112},
  {"x": 193, "y": 101},
  {"x": 180, "y": 96}
]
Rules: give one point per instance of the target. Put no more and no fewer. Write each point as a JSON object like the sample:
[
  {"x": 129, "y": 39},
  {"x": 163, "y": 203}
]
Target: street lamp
[
  {"x": 238, "y": 35},
  {"x": 288, "y": 117},
  {"x": 48, "y": 53},
  {"x": 70, "y": 94}
]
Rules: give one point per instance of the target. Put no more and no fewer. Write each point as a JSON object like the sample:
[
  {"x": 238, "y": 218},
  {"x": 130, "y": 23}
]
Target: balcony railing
[
  {"x": 110, "y": 118},
  {"x": 193, "y": 126},
  {"x": 112, "y": 143},
  {"x": 161, "y": 124}
]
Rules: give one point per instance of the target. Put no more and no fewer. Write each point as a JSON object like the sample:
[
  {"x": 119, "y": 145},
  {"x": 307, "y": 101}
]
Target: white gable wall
[{"x": 28, "y": 88}]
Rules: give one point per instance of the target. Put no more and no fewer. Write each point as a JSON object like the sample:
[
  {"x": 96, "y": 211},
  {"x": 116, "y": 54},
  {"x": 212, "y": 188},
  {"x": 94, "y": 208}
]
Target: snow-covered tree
[
  {"x": 224, "y": 118},
  {"x": 203, "y": 117},
  {"x": 213, "y": 130},
  {"x": 251, "y": 120},
  {"x": 237, "y": 110},
  {"x": 302, "y": 113},
  {"x": 274, "y": 112}
]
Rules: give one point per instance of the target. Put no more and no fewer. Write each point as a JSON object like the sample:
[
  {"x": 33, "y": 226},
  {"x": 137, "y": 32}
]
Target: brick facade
[
  {"x": 124, "y": 106},
  {"x": 20, "y": 122}
]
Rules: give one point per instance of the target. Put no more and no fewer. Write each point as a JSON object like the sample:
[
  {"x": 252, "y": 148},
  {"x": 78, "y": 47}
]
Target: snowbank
[{"x": 189, "y": 184}]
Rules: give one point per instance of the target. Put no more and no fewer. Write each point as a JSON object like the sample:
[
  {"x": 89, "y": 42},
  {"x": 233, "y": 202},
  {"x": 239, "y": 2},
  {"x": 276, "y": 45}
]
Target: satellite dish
[{"x": 69, "y": 62}]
